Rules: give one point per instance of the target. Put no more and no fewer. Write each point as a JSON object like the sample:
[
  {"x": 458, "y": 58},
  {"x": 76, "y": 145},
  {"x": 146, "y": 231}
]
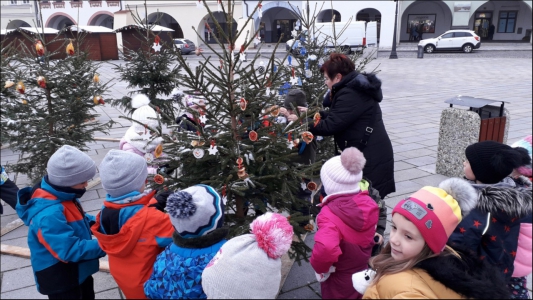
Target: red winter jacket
[{"x": 346, "y": 227}]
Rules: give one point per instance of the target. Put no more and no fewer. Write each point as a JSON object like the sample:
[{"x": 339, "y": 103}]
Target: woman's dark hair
[{"x": 337, "y": 63}]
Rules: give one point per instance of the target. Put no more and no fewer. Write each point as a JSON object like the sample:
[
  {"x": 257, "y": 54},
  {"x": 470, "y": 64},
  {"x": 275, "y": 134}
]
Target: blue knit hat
[{"x": 195, "y": 211}]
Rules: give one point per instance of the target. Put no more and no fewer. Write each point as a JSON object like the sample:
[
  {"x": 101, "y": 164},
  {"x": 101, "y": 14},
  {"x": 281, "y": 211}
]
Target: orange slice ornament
[
  {"x": 159, "y": 179},
  {"x": 96, "y": 78},
  {"x": 20, "y": 87},
  {"x": 311, "y": 186},
  {"x": 316, "y": 119},
  {"x": 158, "y": 151},
  {"x": 70, "y": 49},
  {"x": 274, "y": 111},
  {"x": 307, "y": 137},
  {"x": 253, "y": 135},
  {"x": 243, "y": 103}
]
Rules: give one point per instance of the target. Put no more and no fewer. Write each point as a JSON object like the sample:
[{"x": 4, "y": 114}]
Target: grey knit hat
[
  {"x": 195, "y": 211},
  {"x": 296, "y": 97},
  {"x": 249, "y": 266},
  {"x": 69, "y": 166},
  {"x": 122, "y": 172}
]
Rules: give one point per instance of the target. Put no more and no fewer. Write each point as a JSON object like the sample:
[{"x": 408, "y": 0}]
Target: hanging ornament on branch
[
  {"x": 198, "y": 51},
  {"x": 96, "y": 78},
  {"x": 219, "y": 5},
  {"x": 159, "y": 179},
  {"x": 8, "y": 84},
  {"x": 241, "y": 173},
  {"x": 261, "y": 68},
  {"x": 260, "y": 10},
  {"x": 213, "y": 148},
  {"x": 242, "y": 104},
  {"x": 158, "y": 151},
  {"x": 70, "y": 48},
  {"x": 20, "y": 87},
  {"x": 199, "y": 4},
  {"x": 242, "y": 55},
  {"x": 157, "y": 46},
  {"x": 41, "y": 82},
  {"x": 293, "y": 80},
  {"x": 98, "y": 100},
  {"x": 252, "y": 135},
  {"x": 39, "y": 48},
  {"x": 268, "y": 85}
]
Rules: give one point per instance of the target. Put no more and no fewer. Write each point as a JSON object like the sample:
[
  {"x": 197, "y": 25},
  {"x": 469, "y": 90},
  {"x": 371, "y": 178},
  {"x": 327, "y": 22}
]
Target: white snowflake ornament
[
  {"x": 156, "y": 47},
  {"x": 212, "y": 150}
]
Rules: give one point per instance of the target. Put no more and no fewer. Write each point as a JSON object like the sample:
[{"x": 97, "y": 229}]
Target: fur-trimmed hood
[
  {"x": 504, "y": 196},
  {"x": 468, "y": 276}
]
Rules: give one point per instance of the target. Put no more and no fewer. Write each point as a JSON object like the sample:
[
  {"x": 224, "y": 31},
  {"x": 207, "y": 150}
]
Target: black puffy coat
[{"x": 351, "y": 105}]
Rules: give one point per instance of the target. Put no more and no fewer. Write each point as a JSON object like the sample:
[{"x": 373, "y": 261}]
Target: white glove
[
  {"x": 361, "y": 280},
  {"x": 324, "y": 276}
]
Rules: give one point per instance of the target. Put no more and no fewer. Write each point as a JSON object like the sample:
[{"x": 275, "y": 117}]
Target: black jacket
[
  {"x": 351, "y": 104},
  {"x": 468, "y": 276}
]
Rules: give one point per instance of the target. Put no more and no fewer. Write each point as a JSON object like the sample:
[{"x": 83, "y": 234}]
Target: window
[
  {"x": 462, "y": 34},
  {"x": 507, "y": 21},
  {"x": 13, "y": 1},
  {"x": 26, "y": 1},
  {"x": 447, "y": 35}
]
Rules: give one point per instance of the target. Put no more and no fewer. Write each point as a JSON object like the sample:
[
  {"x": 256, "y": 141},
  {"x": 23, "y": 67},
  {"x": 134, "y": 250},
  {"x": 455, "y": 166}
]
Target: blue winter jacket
[
  {"x": 178, "y": 269},
  {"x": 63, "y": 253}
]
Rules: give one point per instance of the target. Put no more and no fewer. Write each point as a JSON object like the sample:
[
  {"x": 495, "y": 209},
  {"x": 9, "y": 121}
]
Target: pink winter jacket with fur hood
[{"x": 346, "y": 227}]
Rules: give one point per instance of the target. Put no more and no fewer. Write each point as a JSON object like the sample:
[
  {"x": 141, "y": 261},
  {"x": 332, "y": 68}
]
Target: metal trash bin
[
  {"x": 420, "y": 52},
  {"x": 460, "y": 128}
]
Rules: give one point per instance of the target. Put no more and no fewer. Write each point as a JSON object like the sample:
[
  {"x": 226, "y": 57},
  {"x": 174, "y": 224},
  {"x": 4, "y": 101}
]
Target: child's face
[
  {"x": 80, "y": 186},
  {"x": 468, "y": 170},
  {"x": 405, "y": 239}
]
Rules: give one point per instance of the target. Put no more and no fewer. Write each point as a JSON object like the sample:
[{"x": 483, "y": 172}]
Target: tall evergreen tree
[{"x": 50, "y": 102}]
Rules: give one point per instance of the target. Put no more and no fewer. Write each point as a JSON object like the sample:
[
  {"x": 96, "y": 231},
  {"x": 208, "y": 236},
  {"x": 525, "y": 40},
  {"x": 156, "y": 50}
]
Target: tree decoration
[
  {"x": 157, "y": 46},
  {"x": 307, "y": 137},
  {"x": 8, "y": 84},
  {"x": 213, "y": 148},
  {"x": 316, "y": 119},
  {"x": 261, "y": 68},
  {"x": 241, "y": 173},
  {"x": 242, "y": 104},
  {"x": 20, "y": 87},
  {"x": 274, "y": 111},
  {"x": 24, "y": 101},
  {"x": 198, "y": 51},
  {"x": 149, "y": 157},
  {"x": 39, "y": 48},
  {"x": 219, "y": 5},
  {"x": 242, "y": 55},
  {"x": 252, "y": 135},
  {"x": 312, "y": 186},
  {"x": 96, "y": 78},
  {"x": 198, "y": 153},
  {"x": 159, "y": 179},
  {"x": 70, "y": 48},
  {"x": 98, "y": 100},
  {"x": 260, "y": 10},
  {"x": 309, "y": 227},
  {"x": 158, "y": 151},
  {"x": 41, "y": 82}
]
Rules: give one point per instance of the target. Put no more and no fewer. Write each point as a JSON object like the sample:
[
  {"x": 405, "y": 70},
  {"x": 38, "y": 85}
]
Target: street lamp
[{"x": 393, "y": 54}]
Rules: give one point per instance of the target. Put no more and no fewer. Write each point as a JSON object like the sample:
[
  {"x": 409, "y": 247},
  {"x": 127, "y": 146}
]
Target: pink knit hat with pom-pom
[
  {"x": 249, "y": 266},
  {"x": 343, "y": 173}
]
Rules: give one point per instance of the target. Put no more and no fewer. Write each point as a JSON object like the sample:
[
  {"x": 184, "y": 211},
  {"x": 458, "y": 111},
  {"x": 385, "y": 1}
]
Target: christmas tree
[
  {"x": 48, "y": 103},
  {"x": 150, "y": 68}
]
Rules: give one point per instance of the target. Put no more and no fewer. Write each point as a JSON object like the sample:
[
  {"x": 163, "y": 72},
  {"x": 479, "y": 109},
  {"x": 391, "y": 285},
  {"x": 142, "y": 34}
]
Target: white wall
[
  {"x": 84, "y": 15},
  {"x": 20, "y": 12}
]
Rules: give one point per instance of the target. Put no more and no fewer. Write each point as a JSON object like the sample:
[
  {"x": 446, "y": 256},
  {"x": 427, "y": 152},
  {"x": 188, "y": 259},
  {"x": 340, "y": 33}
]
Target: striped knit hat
[
  {"x": 195, "y": 211},
  {"x": 437, "y": 211}
]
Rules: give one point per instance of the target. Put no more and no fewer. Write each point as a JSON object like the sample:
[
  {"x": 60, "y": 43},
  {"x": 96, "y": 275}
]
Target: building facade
[{"x": 508, "y": 20}]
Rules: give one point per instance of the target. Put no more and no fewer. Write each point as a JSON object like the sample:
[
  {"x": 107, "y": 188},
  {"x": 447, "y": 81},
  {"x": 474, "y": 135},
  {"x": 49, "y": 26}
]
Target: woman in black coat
[{"x": 354, "y": 104}]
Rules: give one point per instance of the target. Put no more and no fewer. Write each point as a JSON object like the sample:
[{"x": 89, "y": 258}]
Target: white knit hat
[
  {"x": 249, "y": 266},
  {"x": 344, "y": 172},
  {"x": 143, "y": 113}
]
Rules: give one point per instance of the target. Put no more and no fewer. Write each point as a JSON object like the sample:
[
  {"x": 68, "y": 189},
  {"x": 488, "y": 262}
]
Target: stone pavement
[{"x": 414, "y": 91}]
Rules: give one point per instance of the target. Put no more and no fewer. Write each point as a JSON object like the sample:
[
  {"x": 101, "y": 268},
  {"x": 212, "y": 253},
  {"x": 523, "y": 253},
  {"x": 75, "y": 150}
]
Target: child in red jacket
[
  {"x": 128, "y": 230},
  {"x": 346, "y": 226}
]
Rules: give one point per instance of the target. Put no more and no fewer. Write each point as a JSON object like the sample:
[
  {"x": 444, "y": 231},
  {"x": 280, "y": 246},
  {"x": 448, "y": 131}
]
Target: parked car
[
  {"x": 465, "y": 40},
  {"x": 184, "y": 45}
]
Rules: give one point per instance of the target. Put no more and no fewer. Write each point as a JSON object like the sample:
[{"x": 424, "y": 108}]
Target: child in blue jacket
[
  {"x": 63, "y": 254},
  {"x": 197, "y": 214}
]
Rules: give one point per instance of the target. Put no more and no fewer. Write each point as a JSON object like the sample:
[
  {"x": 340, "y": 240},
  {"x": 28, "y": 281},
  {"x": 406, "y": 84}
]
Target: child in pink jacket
[
  {"x": 137, "y": 138},
  {"x": 346, "y": 226}
]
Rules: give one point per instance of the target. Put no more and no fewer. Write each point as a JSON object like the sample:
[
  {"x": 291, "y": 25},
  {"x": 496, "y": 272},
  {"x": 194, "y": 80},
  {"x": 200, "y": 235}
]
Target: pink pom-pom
[
  {"x": 353, "y": 160},
  {"x": 273, "y": 234}
]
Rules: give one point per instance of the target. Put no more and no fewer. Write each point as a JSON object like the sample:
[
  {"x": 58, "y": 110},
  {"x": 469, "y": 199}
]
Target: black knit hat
[
  {"x": 492, "y": 161},
  {"x": 296, "y": 97}
]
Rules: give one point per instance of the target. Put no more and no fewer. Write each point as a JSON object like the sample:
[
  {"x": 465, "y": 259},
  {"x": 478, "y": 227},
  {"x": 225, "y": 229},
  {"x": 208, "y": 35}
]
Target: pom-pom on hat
[
  {"x": 436, "y": 212},
  {"x": 491, "y": 161},
  {"x": 143, "y": 113},
  {"x": 122, "y": 172},
  {"x": 524, "y": 147},
  {"x": 249, "y": 266},
  {"x": 195, "y": 211},
  {"x": 68, "y": 166},
  {"x": 344, "y": 172}
]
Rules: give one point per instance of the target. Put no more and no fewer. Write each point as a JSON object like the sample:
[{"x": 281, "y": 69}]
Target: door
[
  {"x": 482, "y": 27},
  {"x": 446, "y": 41},
  {"x": 283, "y": 27},
  {"x": 459, "y": 39}
]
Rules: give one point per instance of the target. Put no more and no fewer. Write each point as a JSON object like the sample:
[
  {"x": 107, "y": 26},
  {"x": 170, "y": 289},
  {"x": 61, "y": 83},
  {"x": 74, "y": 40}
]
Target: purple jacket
[{"x": 346, "y": 227}]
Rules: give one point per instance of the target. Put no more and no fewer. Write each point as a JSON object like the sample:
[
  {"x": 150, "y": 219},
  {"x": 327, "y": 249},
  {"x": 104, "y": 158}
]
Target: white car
[{"x": 465, "y": 40}]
